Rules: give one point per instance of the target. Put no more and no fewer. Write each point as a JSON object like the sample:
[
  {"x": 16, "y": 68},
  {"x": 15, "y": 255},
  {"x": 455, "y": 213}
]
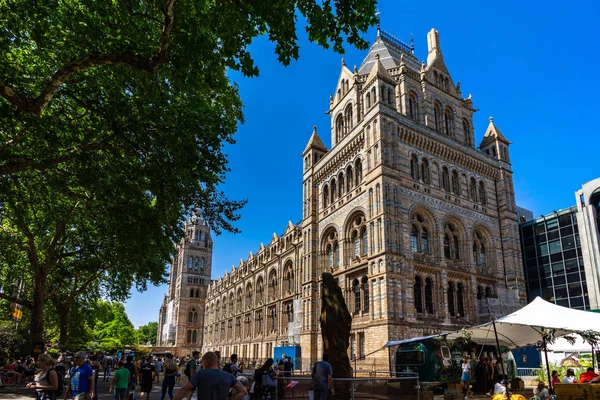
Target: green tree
[
  {"x": 115, "y": 113},
  {"x": 147, "y": 333}
]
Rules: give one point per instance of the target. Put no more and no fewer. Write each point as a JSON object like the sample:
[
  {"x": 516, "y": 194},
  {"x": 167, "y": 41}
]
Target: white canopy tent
[{"x": 523, "y": 327}]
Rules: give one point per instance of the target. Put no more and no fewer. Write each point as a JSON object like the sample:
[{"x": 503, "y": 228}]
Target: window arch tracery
[
  {"x": 418, "y": 294},
  {"x": 451, "y": 242},
  {"x": 420, "y": 234},
  {"x": 429, "y": 295},
  {"x": 479, "y": 249}
]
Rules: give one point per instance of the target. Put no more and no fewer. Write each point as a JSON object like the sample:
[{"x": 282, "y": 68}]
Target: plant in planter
[
  {"x": 427, "y": 393},
  {"x": 517, "y": 384},
  {"x": 453, "y": 394}
]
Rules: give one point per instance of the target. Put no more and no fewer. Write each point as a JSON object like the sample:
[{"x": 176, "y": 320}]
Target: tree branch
[
  {"x": 36, "y": 105},
  {"x": 22, "y": 302}
]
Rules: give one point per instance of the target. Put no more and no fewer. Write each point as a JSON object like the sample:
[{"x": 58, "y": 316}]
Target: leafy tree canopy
[
  {"x": 147, "y": 333},
  {"x": 113, "y": 116}
]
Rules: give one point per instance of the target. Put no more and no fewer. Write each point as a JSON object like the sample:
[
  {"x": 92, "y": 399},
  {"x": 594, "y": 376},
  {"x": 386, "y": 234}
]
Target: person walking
[
  {"x": 107, "y": 364},
  {"x": 159, "y": 369},
  {"x": 148, "y": 372},
  {"x": 191, "y": 368},
  {"x": 170, "y": 370},
  {"x": 265, "y": 379},
  {"x": 322, "y": 379},
  {"x": 45, "y": 382},
  {"x": 133, "y": 377},
  {"x": 93, "y": 361},
  {"x": 120, "y": 382},
  {"x": 232, "y": 366},
  {"x": 81, "y": 379},
  {"x": 212, "y": 382},
  {"x": 466, "y": 376}
]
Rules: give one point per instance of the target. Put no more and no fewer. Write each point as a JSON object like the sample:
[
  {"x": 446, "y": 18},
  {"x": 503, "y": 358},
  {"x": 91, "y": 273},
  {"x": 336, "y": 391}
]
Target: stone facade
[
  {"x": 416, "y": 223},
  {"x": 181, "y": 315},
  {"x": 588, "y": 220}
]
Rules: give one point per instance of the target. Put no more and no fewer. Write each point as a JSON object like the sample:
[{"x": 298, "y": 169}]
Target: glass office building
[{"x": 553, "y": 260}]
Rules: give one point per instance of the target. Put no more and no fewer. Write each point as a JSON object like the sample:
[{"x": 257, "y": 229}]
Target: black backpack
[
  {"x": 188, "y": 369},
  {"x": 61, "y": 381},
  {"x": 227, "y": 368}
]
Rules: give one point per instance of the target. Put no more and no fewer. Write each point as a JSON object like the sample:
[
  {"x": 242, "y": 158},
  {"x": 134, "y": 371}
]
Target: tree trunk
[
  {"x": 37, "y": 310},
  {"x": 63, "y": 310}
]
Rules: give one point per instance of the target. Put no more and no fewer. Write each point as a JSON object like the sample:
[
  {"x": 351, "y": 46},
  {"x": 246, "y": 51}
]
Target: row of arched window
[
  {"x": 420, "y": 238},
  {"x": 343, "y": 182},
  {"x": 455, "y": 296},
  {"x": 195, "y": 281},
  {"x": 192, "y": 336},
  {"x": 443, "y": 118},
  {"x": 195, "y": 293},
  {"x": 449, "y": 182},
  {"x": 344, "y": 123},
  {"x": 194, "y": 264},
  {"x": 193, "y": 316}
]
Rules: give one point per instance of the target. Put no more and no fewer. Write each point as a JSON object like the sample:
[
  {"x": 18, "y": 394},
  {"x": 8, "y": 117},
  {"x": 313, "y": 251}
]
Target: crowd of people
[{"x": 76, "y": 377}]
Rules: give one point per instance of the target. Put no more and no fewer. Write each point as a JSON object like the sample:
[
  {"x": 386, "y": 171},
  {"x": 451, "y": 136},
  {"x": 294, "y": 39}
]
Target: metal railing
[{"x": 522, "y": 372}]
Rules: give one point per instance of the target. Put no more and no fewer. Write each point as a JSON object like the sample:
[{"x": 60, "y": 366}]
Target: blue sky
[{"x": 530, "y": 65}]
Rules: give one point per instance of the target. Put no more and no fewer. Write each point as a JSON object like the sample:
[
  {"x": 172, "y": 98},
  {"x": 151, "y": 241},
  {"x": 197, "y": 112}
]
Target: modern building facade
[
  {"x": 552, "y": 254},
  {"x": 181, "y": 316},
  {"x": 416, "y": 223},
  {"x": 561, "y": 252}
]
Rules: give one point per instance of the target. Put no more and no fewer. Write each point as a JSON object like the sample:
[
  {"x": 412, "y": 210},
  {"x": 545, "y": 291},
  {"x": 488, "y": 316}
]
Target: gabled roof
[
  {"x": 315, "y": 142},
  {"x": 492, "y": 134},
  {"x": 389, "y": 49},
  {"x": 379, "y": 71}
]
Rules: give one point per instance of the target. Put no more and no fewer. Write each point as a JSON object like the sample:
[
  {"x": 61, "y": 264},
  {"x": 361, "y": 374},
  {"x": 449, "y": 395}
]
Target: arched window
[
  {"x": 482, "y": 194},
  {"x": 455, "y": 183},
  {"x": 191, "y": 263},
  {"x": 330, "y": 255},
  {"x": 190, "y": 316},
  {"x": 429, "y": 295},
  {"x": 414, "y": 239},
  {"x": 479, "y": 293},
  {"x": 448, "y": 121},
  {"x": 413, "y": 112},
  {"x": 192, "y": 293},
  {"x": 479, "y": 255},
  {"x": 447, "y": 254},
  {"x": 365, "y": 283},
  {"x": 437, "y": 116},
  {"x": 374, "y": 95},
  {"x": 196, "y": 317},
  {"x": 189, "y": 336},
  {"x": 349, "y": 119},
  {"x": 456, "y": 247},
  {"x": 201, "y": 263},
  {"x": 356, "y": 290},
  {"x": 356, "y": 242},
  {"x": 341, "y": 184},
  {"x": 488, "y": 292},
  {"x": 368, "y": 100},
  {"x": 333, "y": 190},
  {"x": 418, "y": 294},
  {"x": 459, "y": 300},
  {"x": 445, "y": 179},
  {"x": 194, "y": 336},
  {"x": 451, "y": 299},
  {"x": 390, "y": 96},
  {"x": 358, "y": 167},
  {"x": 473, "y": 189},
  {"x": 371, "y": 202},
  {"x": 364, "y": 241},
  {"x": 325, "y": 195},
  {"x": 425, "y": 176},
  {"x": 339, "y": 128},
  {"x": 414, "y": 167},
  {"x": 419, "y": 235},
  {"x": 349, "y": 178},
  {"x": 196, "y": 264},
  {"x": 336, "y": 254},
  {"x": 424, "y": 240},
  {"x": 467, "y": 132}
]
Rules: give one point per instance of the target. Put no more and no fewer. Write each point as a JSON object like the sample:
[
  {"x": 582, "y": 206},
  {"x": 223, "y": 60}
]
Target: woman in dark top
[
  {"x": 262, "y": 377},
  {"x": 170, "y": 371},
  {"x": 93, "y": 358},
  {"x": 148, "y": 373}
]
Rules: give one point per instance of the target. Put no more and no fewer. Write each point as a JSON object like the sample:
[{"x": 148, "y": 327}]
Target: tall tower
[{"x": 181, "y": 317}]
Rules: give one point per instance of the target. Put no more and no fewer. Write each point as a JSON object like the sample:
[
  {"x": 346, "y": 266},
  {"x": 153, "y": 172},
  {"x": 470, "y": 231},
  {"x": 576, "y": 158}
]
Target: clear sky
[{"x": 530, "y": 65}]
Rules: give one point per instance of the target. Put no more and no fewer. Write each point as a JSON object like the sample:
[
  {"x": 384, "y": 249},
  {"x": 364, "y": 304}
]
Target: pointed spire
[
  {"x": 315, "y": 142},
  {"x": 379, "y": 71},
  {"x": 343, "y": 62},
  {"x": 492, "y": 133}
]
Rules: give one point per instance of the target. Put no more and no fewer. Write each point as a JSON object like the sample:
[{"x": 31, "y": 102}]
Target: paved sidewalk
[{"x": 20, "y": 392}]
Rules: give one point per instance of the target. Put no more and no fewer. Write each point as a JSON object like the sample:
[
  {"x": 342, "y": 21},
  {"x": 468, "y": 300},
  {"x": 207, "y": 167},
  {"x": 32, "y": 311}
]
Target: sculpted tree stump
[{"x": 336, "y": 323}]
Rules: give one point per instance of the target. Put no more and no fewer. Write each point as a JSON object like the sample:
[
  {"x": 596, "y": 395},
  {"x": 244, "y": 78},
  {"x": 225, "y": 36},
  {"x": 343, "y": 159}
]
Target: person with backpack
[
  {"x": 190, "y": 369},
  {"x": 170, "y": 370},
  {"x": 45, "y": 382},
  {"x": 232, "y": 366},
  {"x": 107, "y": 363}
]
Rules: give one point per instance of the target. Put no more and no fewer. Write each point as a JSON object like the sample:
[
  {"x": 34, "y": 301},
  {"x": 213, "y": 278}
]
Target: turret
[{"x": 495, "y": 144}]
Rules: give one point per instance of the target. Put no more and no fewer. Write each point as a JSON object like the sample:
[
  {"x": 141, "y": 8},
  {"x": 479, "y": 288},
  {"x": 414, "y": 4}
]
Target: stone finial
[
  {"x": 422, "y": 67},
  {"x": 355, "y": 69},
  {"x": 377, "y": 56},
  {"x": 401, "y": 58},
  {"x": 343, "y": 61},
  {"x": 330, "y": 98},
  {"x": 314, "y": 129},
  {"x": 491, "y": 119}
]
